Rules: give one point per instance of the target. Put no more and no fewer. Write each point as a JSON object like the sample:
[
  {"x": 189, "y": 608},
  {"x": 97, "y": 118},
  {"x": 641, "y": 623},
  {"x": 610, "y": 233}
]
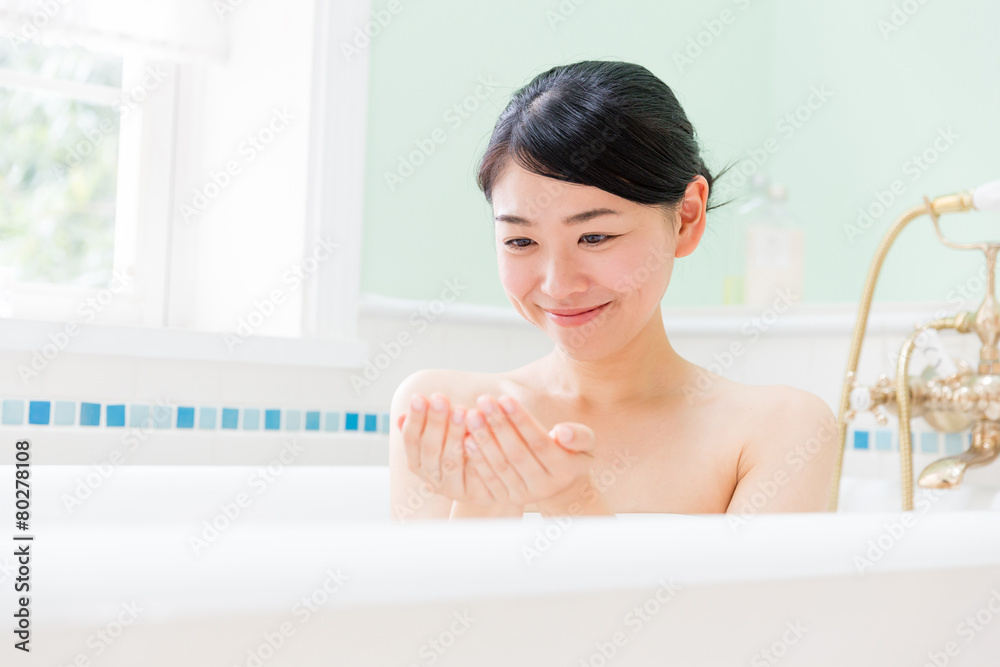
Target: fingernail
[
  {"x": 417, "y": 402},
  {"x": 474, "y": 419},
  {"x": 508, "y": 404},
  {"x": 458, "y": 416},
  {"x": 489, "y": 406},
  {"x": 564, "y": 433},
  {"x": 438, "y": 404}
]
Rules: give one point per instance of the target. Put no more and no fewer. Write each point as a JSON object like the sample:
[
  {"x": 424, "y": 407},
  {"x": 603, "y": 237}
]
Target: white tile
[
  {"x": 179, "y": 381},
  {"x": 89, "y": 377},
  {"x": 32, "y": 384}
]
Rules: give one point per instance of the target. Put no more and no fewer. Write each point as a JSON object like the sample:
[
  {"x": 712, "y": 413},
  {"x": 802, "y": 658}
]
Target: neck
[{"x": 646, "y": 369}]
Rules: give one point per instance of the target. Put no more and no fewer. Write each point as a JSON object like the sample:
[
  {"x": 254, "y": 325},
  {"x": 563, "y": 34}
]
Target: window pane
[
  {"x": 57, "y": 62},
  {"x": 58, "y": 175}
]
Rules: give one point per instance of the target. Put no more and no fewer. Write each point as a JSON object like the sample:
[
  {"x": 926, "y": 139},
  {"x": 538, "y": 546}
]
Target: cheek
[
  {"x": 643, "y": 274},
  {"x": 514, "y": 282}
]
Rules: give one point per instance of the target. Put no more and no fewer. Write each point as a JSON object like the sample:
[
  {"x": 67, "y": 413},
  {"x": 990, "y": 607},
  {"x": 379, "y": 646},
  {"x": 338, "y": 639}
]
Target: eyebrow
[{"x": 571, "y": 220}]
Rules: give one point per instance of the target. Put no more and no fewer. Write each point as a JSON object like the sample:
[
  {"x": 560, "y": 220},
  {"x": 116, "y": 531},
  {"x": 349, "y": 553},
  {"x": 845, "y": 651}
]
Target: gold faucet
[{"x": 953, "y": 402}]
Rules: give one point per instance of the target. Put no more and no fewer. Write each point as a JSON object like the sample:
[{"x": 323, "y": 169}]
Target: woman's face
[{"x": 562, "y": 246}]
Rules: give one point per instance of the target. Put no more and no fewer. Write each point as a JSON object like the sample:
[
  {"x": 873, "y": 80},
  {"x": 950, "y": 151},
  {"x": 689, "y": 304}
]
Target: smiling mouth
[
  {"x": 570, "y": 313},
  {"x": 580, "y": 317}
]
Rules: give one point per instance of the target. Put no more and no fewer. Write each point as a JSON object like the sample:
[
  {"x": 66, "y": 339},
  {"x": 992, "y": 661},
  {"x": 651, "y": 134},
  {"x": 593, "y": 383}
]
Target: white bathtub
[{"x": 118, "y": 582}]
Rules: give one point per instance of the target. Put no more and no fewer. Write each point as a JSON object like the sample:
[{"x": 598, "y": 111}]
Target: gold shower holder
[{"x": 966, "y": 398}]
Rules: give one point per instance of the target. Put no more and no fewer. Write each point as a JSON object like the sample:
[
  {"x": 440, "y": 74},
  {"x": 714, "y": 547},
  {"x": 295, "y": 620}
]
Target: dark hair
[{"x": 612, "y": 125}]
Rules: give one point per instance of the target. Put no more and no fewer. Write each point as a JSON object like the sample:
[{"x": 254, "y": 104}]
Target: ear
[{"x": 691, "y": 214}]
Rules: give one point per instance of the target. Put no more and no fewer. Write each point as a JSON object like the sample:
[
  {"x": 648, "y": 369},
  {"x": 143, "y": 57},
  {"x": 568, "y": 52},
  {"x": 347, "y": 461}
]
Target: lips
[
  {"x": 580, "y": 316},
  {"x": 576, "y": 311}
]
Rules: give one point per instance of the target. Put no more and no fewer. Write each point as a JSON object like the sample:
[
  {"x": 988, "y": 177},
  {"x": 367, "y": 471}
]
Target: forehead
[{"x": 523, "y": 193}]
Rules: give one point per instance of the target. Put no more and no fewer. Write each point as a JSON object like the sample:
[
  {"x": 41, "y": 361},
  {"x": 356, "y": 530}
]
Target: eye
[
  {"x": 514, "y": 245},
  {"x": 604, "y": 237}
]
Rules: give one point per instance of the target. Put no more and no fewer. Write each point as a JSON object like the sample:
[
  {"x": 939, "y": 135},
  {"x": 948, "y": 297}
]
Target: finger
[
  {"x": 492, "y": 453},
  {"x": 412, "y": 430},
  {"x": 549, "y": 454},
  {"x": 453, "y": 456},
  {"x": 573, "y": 437},
  {"x": 494, "y": 484},
  {"x": 516, "y": 451},
  {"x": 432, "y": 440},
  {"x": 476, "y": 490}
]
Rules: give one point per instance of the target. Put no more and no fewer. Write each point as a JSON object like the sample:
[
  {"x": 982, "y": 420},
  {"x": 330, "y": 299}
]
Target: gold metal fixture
[{"x": 951, "y": 403}]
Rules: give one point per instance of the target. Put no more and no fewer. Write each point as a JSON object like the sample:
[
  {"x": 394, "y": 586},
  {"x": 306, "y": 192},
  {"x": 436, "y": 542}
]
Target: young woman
[{"x": 597, "y": 185}]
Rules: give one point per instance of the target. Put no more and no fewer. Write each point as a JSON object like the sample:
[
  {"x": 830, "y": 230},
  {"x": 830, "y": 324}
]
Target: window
[
  {"x": 71, "y": 143},
  {"x": 58, "y": 164}
]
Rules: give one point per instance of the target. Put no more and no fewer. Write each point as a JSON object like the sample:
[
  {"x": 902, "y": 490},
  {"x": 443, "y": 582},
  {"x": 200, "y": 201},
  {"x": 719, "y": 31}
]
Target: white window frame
[
  {"x": 336, "y": 171},
  {"x": 139, "y": 230},
  {"x": 335, "y": 210}
]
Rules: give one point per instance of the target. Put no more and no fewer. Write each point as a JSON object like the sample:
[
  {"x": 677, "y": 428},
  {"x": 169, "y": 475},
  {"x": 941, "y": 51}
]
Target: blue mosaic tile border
[
  {"x": 17, "y": 412},
  {"x": 923, "y": 442}
]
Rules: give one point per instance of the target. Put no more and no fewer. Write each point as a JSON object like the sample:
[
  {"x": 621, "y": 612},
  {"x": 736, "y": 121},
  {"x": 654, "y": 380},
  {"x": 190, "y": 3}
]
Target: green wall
[{"x": 890, "y": 91}]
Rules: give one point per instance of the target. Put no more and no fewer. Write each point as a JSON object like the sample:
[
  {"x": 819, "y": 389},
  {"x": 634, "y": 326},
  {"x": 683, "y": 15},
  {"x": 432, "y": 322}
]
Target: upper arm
[
  {"x": 788, "y": 464},
  {"x": 410, "y": 497}
]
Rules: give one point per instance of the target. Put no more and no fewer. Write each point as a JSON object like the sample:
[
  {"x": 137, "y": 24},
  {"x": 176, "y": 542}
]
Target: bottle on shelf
[
  {"x": 733, "y": 283},
  {"x": 775, "y": 245}
]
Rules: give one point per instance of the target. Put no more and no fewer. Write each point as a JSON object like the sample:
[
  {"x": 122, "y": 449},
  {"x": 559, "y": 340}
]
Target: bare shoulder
[
  {"x": 789, "y": 453},
  {"x": 794, "y": 429},
  {"x": 788, "y": 403},
  {"x": 781, "y": 412}
]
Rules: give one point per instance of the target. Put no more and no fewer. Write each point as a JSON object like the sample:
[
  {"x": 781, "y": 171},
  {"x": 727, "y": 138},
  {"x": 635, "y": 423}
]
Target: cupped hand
[
  {"x": 433, "y": 434},
  {"x": 518, "y": 460}
]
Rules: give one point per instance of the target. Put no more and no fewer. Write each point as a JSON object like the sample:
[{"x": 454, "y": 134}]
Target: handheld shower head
[{"x": 987, "y": 196}]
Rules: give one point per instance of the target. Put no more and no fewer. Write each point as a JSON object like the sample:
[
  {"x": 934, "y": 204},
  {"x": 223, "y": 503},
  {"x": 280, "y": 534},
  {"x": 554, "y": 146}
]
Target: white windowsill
[{"x": 150, "y": 343}]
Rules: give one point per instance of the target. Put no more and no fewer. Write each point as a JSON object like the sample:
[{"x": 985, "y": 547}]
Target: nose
[{"x": 563, "y": 278}]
